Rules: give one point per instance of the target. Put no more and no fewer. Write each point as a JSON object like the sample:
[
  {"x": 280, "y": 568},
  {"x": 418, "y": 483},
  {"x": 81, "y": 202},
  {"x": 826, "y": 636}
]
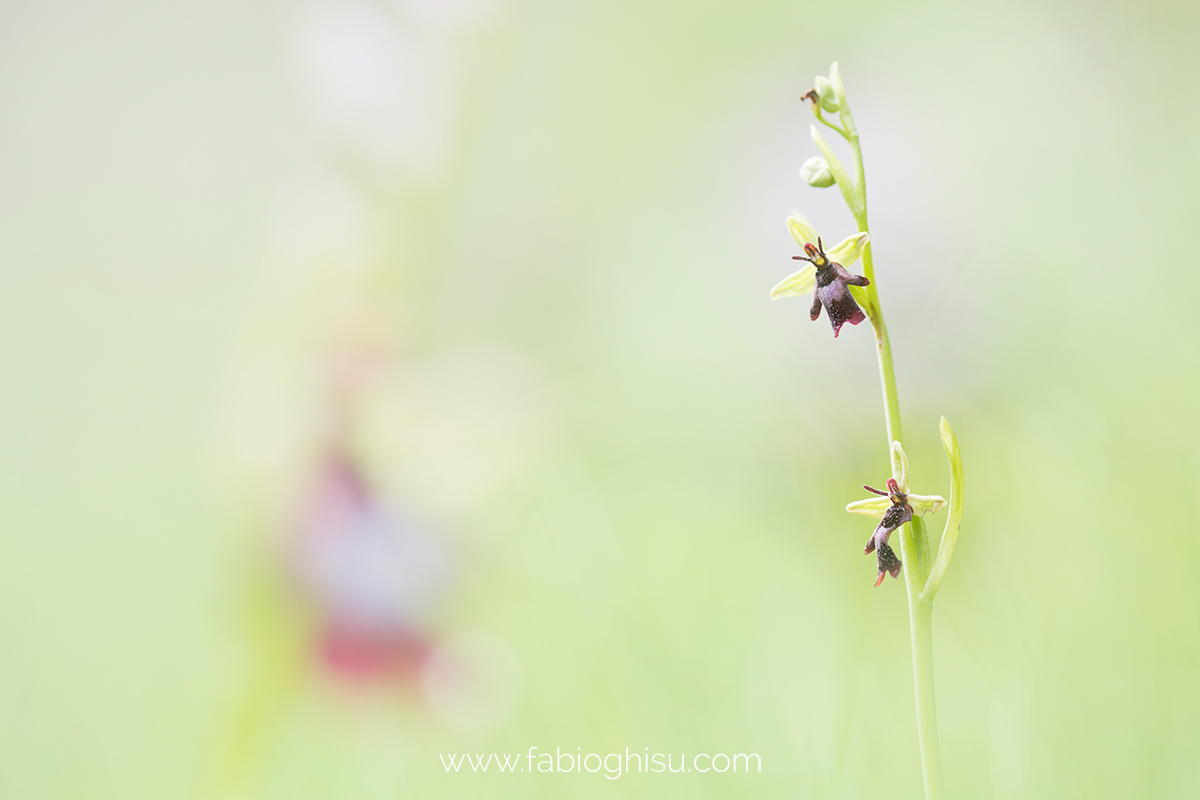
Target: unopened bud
[
  {"x": 815, "y": 172},
  {"x": 826, "y": 94}
]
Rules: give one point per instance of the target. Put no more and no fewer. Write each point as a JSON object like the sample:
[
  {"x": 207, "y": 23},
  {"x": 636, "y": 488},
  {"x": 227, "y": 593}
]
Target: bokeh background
[{"x": 381, "y": 379}]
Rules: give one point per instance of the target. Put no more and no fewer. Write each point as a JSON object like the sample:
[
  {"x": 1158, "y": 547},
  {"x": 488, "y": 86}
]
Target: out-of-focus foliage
[{"x": 553, "y": 227}]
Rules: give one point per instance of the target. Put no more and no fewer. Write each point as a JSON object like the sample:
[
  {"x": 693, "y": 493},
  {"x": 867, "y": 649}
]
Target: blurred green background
[{"x": 545, "y": 232}]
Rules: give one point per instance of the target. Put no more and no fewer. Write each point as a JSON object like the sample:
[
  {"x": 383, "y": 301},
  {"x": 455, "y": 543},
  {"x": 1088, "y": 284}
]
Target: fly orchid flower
[
  {"x": 892, "y": 508},
  {"x": 898, "y": 513},
  {"x": 825, "y": 274}
]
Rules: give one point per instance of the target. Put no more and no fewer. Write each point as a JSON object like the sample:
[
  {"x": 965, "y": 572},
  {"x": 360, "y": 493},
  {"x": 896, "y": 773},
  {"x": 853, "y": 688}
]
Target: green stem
[
  {"x": 913, "y": 541},
  {"x": 883, "y": 347},
  {"x": 883, "y": 344},
  {"x": 920, "y": 613}
]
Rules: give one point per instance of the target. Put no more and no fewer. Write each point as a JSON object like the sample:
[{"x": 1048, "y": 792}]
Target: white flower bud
[{"x": 816, "y": 172}]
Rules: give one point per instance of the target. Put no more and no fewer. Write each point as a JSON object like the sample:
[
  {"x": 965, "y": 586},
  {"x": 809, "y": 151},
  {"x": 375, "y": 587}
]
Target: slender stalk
[
  {"x": 914, "y": 544},
  {"x": 920, "y": 615},
  {"x": 883, "y": 347}
]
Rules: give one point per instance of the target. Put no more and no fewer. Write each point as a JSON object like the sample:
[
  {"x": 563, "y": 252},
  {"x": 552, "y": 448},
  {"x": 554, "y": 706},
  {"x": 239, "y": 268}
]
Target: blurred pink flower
[{"x": 374, "y": 574}]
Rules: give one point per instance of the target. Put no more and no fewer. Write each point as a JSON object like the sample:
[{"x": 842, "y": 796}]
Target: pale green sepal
[
  {"x": 953, "y": 518},
  {"x": 796, "y": 284},
  {"x": 900, "y": 466},
  {"x": 876, "y": 506},
  {"x": 923, "y": 504},
  {"x": 801, "y": 229},
  {"x": 849, "y": 190},
  {"x": 849, "y": 250},
  {"x": 873, "y": 507},
  {"x": 864, "y": 300}
]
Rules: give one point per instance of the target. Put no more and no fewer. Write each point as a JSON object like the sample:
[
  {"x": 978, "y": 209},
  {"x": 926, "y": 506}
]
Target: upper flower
[{"x": 826, "y": 274}]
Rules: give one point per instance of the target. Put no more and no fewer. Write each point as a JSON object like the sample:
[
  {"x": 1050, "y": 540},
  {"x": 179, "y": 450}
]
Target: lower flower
[{"x": 892, "y": 508}]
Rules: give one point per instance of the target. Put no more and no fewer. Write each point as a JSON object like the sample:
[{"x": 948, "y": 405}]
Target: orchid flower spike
[{"x": 825, "y": 274}]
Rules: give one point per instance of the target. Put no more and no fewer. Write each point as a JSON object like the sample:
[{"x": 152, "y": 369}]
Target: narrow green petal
[
  {"x": 796, "y": 284},
  {"x": 850, "y": 249},
  {"x": 801, "y": 230},
  {"x": 873, "y": 507},
  {"x": 925, "y": 503}
]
